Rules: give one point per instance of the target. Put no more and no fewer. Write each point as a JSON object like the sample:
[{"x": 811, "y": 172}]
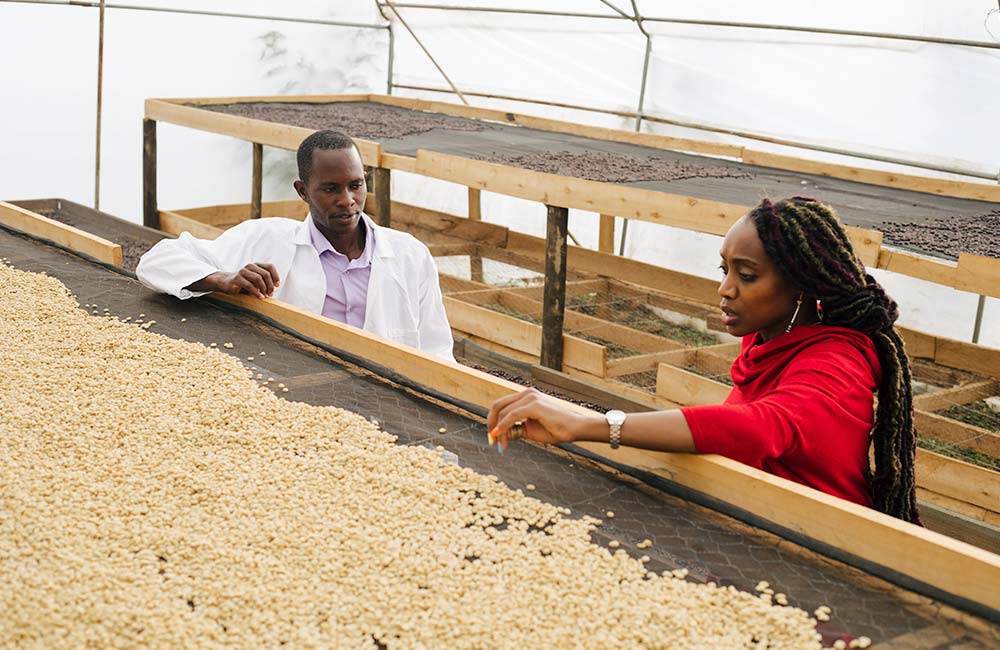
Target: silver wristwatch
[{"x": 615, "y": 420}]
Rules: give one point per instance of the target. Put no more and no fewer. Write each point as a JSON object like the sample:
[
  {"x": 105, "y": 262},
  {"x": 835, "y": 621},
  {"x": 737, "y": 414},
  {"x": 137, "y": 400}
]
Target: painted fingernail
[
  {"x": 492, "y": 436},
  {"x": 500, "y": 448}
]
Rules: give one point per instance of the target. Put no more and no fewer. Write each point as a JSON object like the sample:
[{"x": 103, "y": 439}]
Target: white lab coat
[{"x": 404, "y": 298}]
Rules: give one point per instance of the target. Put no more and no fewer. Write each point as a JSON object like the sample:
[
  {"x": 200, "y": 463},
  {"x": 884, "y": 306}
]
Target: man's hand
[{"x": 254, "y": 279}]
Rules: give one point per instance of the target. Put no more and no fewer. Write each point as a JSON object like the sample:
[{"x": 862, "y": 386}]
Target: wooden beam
[
  {"x": 272, "y": 134},
  {"x": 521, "y": 335},
  {"x": 445, "y": 250},
  {"x": 960, "y": 189},
  {"x": 958, "y": 480},
  {"x": 965, "y": 394},
  {"x": 967, "y": 356},
  {"x": 257, "y": 181},
  {"x": 606, "y": 236},
  {"x": 919, "y": 266},
  {"x": 978, "y": 274},
  {"x": 150, "y": 213},
  {"x": 382, "y": 210},
  {"x": 561, "y": 191},
  {"x": 620, "y": 268},
  {"x": 36, "y": 225},
  {"x": 647, "y": 362},
  {"x": 234, "y": 213},
  {"x": 585, "y": 390},
  {"x": 554, "y": 305},
  {"x": 475, "y": 205},
  {"x": 400, "y": 163},
  {"x": 253, "y": 99},
  {"x": 973, "y": 512},
  {"x": 174, "y": 224},
  {"x": 959, "y": 434},
  {"x": 479, "y": 232},
  {"x": 685, "y": 387}
]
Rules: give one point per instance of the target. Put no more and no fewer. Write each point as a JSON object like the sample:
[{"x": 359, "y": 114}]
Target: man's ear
[{"x": 300, "y": 187}]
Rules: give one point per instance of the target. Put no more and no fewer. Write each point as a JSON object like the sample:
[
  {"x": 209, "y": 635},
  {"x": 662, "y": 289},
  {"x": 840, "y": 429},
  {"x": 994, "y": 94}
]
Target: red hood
[{"x": 758, "y": 358}]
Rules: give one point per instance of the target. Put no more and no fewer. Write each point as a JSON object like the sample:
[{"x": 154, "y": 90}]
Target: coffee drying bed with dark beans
[
  {"x": 612, "y": 167},
  {"x": 368, "y": 121},
  {"x": 948, "y": 236}
]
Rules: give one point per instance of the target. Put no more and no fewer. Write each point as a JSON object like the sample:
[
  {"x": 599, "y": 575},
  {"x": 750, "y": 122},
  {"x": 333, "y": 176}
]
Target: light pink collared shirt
[{"x": 346, "y": 280}]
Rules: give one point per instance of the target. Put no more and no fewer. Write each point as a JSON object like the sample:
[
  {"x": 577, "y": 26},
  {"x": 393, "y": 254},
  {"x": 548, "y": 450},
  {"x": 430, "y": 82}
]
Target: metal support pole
[
  {"x": 383, "y": 202},
  {"x": 256, "y": 187},
  {"x": 642, "y": 88},
  {"x": 554, "y": 292},
  {"x": 392, "y": 60},
  {"x": 977, "y": 328},
  {"x": 150, "y": 212},
  {"x": 100, "y": 95},
  {"x": 621, "y": 246}
]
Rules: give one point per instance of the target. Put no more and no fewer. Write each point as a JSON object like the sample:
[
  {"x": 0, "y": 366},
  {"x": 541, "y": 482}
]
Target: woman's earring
[
  {"x": 798, "y": 304},
  {"x": 819, "y": 311}
]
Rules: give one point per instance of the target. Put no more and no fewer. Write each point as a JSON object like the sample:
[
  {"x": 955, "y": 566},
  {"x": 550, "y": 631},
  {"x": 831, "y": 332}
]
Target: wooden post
[
  {"x": 150, "y": 212},
  {"x": 475, "y": 207},
  {"x": 258, "y": 181},
  {"x": 554, "y": 293},
  {"x": 606, "y": 240},
  {"x": 382, "y": 179}
]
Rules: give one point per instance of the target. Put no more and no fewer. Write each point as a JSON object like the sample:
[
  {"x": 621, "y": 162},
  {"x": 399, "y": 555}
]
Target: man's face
[
  {"x": 755, "y": 295},
  {"x": 336, "y": 189}
]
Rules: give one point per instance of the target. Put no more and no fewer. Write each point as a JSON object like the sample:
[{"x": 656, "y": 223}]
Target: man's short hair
[{"x": 325, "y": 140}]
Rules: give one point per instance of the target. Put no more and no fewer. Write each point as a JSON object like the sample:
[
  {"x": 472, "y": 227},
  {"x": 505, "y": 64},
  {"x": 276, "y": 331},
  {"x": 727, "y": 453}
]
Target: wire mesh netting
[{"x": 712, "y": 547}]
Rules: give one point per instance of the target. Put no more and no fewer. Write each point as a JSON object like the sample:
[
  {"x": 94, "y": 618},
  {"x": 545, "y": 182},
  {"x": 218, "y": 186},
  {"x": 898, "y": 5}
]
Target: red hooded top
[{"x": 802, "y": 408}]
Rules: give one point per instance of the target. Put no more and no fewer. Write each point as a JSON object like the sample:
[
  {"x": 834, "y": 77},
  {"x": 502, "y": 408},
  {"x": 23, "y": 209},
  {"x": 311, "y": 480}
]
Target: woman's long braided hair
[{"x": 807, "y": 242}]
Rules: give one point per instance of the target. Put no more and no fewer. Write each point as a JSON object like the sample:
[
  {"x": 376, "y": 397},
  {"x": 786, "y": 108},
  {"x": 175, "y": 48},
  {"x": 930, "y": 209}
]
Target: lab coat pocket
[{"x": 406, "y": 337}]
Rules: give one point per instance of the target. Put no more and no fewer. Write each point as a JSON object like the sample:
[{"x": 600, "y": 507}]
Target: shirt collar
[{"x": 322, "y": 244}]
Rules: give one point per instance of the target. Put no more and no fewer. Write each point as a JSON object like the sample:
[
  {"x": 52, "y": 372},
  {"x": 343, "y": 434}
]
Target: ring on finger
[{"x": 517, "y": 431}]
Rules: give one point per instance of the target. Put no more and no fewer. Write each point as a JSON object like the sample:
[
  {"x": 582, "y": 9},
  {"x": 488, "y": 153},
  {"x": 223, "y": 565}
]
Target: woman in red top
[{"x": 818, "y": 340}]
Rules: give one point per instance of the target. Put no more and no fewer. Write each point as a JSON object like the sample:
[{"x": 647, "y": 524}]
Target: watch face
[{"x": 615, "y": 418}]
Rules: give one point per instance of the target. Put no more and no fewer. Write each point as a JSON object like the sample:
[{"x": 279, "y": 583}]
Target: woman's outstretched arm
[{"x": 545, "y": 421}]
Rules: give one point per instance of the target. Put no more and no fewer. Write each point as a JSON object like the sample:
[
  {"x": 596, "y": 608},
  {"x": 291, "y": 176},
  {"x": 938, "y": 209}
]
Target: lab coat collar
[{"x": 383, "y": 247}]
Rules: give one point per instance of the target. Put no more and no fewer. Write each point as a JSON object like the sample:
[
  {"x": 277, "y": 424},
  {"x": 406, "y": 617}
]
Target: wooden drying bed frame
[
  {"x": 970, "y": 491},
  {"x": 903, "y": 553}
]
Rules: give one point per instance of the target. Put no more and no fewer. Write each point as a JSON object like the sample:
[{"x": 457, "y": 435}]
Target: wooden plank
[
  {"x": 480, "y": 232},
  {"x": 522, "y": 335},
  {"x": 257, "y": 181},
  {"x": 587, "y": 391},
  {"x": 297, "y": 99},
  {"x": 960, "y": 434},
  {"x": 648, "y": 362},
  {"x": 960, "y": 189},
  {"x": 68, "y": 236},
  {"x": 978, "y": 274},
  {"x": 281, "y": 136},
  {"x": 620, "y": 268},
  {"x": 961, "y": 527},
  {"x": 867, "y": 243},
  {"x": 173, "y": 223},
  {"x": 958, "y": 480},
  {"x": 965, "y": 394},
  {"x": 150, "y": 213},
  {"x": 967, "y": 356},
  {"x": 445, "y": 250},
  {"x": 233, "y": 213},
  {"x": 475, "y": 205},
  {"x": 666, "y": 209},
  {"x": 606, "y": 234},
  {"x": 560, "y": 126},
  {"x": 621, "y": 388},
  {"x": 685, "y": 387},
  {"x": 919, "y": 266},
  {"x": 578, "y": 323},
  {"x": 973, "y": 512},
  {"x": 400, "y": 163}
]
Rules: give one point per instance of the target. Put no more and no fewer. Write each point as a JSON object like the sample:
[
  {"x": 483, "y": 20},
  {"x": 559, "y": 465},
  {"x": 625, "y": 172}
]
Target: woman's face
[{"x": 755, "y": 295}]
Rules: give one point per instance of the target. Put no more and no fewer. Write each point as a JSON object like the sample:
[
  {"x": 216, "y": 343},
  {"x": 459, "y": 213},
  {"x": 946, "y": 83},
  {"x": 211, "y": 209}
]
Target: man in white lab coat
[{"x": 337, "y": 262}]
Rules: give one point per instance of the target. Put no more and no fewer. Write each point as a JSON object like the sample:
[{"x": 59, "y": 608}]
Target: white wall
[{"x": 905, "y": 99}]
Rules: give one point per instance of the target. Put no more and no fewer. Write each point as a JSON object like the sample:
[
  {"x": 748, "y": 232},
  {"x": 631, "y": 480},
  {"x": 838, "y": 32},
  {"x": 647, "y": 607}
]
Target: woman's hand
[{"x": 544, "y": 420}]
